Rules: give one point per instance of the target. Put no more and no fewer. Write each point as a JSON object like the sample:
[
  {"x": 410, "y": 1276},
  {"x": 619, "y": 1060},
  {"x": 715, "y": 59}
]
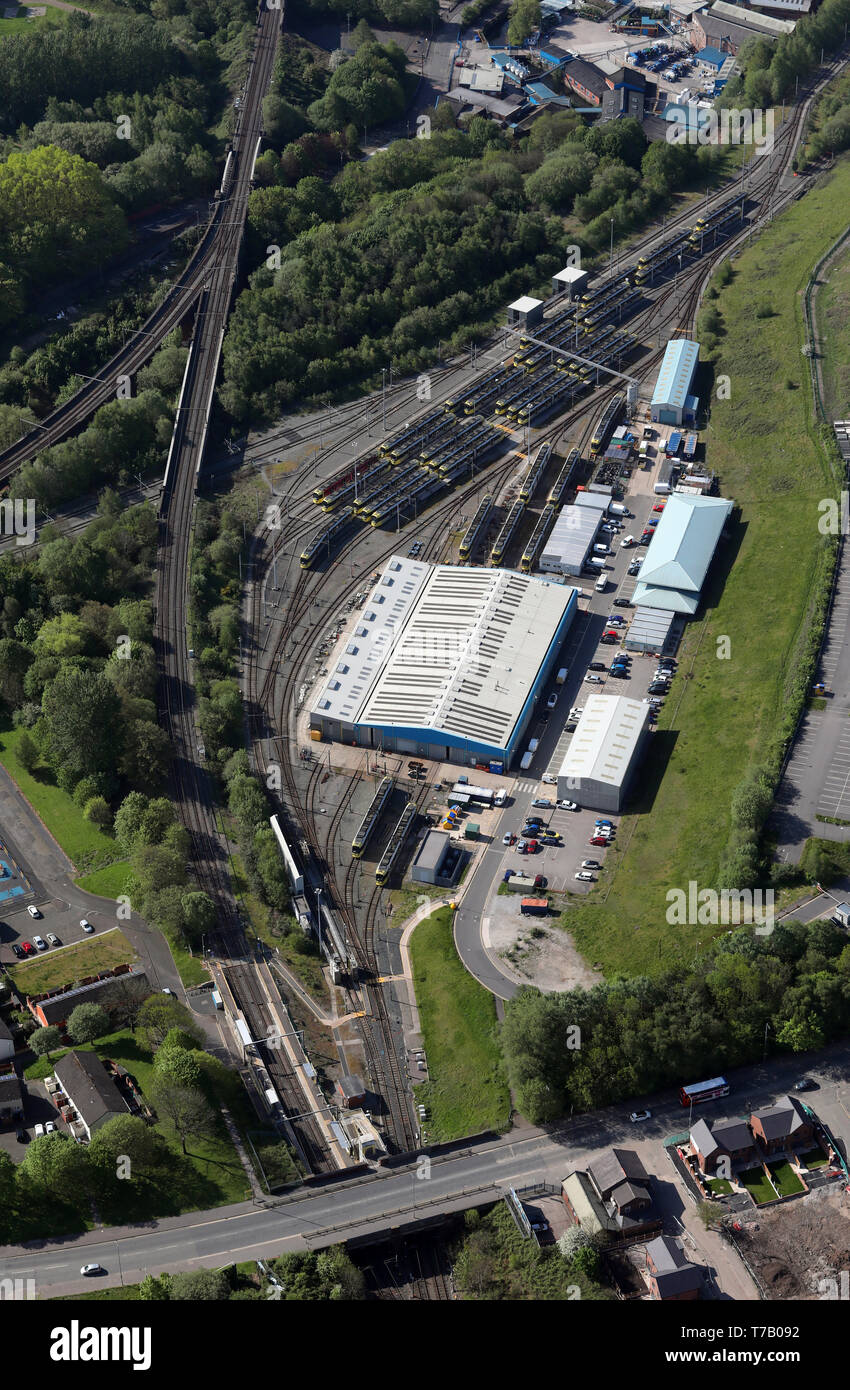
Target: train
[
  {"x": 324, "y": 538},
  {"x": 476, "y": 529},
  {"x": 372, "y": 816},
  {"x": 607, "y": 421},
  {"x": 395, "y": 843},
  {"x": 564, "y": 480},
  {"x": 505, "y": 536},
  {"x": 538, "y": 536},
  {"x": 352, "y": 491},
  {"x": 535, "y": 473}
]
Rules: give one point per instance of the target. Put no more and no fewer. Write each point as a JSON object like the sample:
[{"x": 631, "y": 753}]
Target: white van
[
  {"x": 501, "y": 796},
  {"x": 596, "y": 562},
  {"x": 601, "y": 550},
  {"x": 561, "y": 676},
  {"x": 533, "y": 745},
  {"x": 601, "y": 584},
  {"x": 525, "y": 761}
]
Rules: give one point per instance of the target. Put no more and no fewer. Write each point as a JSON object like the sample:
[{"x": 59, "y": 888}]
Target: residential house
[
  {"x": 612, "y": 1197},
  {"x": 11, "y": 1096},
  {"x": 669, "y": 1272},
  {"x": 730, "y": 1139},
  {"x": 90, "y": 1089},
  {"x": 782, "y": 1126},
  {"x": 7, "y": 1044}
]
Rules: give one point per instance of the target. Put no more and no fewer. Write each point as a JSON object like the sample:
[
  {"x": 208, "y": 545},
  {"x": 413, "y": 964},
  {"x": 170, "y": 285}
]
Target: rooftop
[
  {"x": 615, "y": 1167},
  {"x": 433, "y": 848},
  {"x": 525, "y": 304},
  {"x": 571, "y": 535},
  {"x": 676, "y": 374},
  {"x": 766, "y": 23},
  {"x": 781, "y": 1120},
  {"x": 677, "y": 561},
  {"x": 605, "y": 740},
  {"x": 89, "y": 1086}
]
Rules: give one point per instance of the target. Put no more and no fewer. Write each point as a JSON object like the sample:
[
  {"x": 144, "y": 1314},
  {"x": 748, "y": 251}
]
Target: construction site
[{"x": 801, "y": 1250}]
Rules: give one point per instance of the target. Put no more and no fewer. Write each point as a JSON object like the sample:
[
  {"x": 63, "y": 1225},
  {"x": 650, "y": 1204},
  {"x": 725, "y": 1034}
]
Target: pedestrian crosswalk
[{"x": 525, "y": 786}]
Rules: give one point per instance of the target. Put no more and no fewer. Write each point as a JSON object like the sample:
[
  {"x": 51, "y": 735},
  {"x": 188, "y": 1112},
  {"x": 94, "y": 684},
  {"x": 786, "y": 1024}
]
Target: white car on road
[{"x": 549, "y": 778}]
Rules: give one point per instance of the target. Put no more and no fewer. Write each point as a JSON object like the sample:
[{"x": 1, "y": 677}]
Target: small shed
[
  {"x": 525, "y": 312},
  {"x": 471, "y": 830},
  {"x": 351, "y": 1091},
  {"x": 570, "y": 281}
]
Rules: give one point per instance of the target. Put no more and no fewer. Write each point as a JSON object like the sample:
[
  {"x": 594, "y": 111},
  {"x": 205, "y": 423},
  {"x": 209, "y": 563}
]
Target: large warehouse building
[
  {"x": 682, "y": 549},
  {"x": 672, "y": 401},
  {"x": 604, "y": 752},
  {"x": 446, "y": 662}
]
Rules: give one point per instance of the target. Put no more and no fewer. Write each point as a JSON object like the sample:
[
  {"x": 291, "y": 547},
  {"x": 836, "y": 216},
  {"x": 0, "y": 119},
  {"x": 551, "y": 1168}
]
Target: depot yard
[
  {"x": 719, "y": 720},
  {"x": 64, "y": 964}
]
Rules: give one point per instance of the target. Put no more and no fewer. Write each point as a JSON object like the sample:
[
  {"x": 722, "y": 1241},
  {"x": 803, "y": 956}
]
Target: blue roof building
[
  {"x": 673, "y": 572},
  {"x": 672, "y": 400},
  {"x": 712, "y": 56}
]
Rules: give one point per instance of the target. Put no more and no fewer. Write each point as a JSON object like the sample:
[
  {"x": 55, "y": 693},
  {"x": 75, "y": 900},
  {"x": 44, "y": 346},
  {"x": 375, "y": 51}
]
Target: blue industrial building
[{"x": 672, "y": 400}]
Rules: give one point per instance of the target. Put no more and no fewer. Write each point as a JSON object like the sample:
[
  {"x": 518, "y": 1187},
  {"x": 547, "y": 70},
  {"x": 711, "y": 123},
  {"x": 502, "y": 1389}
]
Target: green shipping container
[{"x": 471, "y": 830}]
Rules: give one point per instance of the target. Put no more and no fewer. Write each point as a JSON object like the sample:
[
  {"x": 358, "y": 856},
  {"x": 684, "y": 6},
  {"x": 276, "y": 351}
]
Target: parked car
[
  {"x": 549, "y": 778},
  {"x": 50, "y": 1127},
  {"x": 38, "y": 1131},
  {"x": 33, "y": 911},
  {"x": 39, "y": 943},
  {"x": 17, "y": 950},
  {"x": 590, "y": 864},
  {"x": 620, "y": 673},
  {"x": 509, "y": 839},
  {"x": 53, "y": 939},
  {"x": 86, "y": 924},
  {"x": 540, "y": 880},
  {"x": 603, "y": 820},
  {"x": 634, "y": 567},
  {"x": 627, "y": 542},
  {"x": 551, "y": 837},
  {"x": 806, "y": 1084},
  {"x": 623, "y": 603},
  {"x": 542, "y": 801},
  {"x": 638, "y": 1115},
  {"x": 552, "y": 701},
  {"x": 598, "y": 840},
  {"x": 597, "y": 666},
  {"x": 21, "y": 1136},
  {"x": 608, "y": 639},
  {"x": 652, "y": 523},
  {"x": 594, "y": 679},
  {"x": 568, "y": 806},
  {"x": 616, "y": 620},
  {"x": 533, "y": 846},
  {"x": 28, "y": 948},
  {"x": 658, "y": 688},
  {"x": 659, "y": 506},
  {"x": 585, "y": 876}
]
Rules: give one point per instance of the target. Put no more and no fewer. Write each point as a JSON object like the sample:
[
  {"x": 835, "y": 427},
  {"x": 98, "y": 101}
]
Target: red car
[
  {"x": 659, "y": 506},
  {"x": 533, "y": 846},
  {"x": 598, "y": 840},
  {"x": 28, "y": 948}
]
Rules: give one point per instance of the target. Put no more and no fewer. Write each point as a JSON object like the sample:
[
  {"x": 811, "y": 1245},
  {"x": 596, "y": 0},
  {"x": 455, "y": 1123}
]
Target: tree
[
  {"x": 155, "y": 1288},
  {"x": 87, "y": 1022},
  {"x": 46, "y": 1040},
  {"x": 83, "y": 716},
  {"x": 127, "y": 1136},
  {"x": 198, "y": 914},
  {"x": 28, "y": 754},
  {"x": 200, "y": 1285},
  {"x": 15, "y": 660},
  {"x": 709, "y": 1213},
  {"x": 97, "y": 811},
  {"x": 525, "y": 17},
  {"x": 161, "y": 1012},
  {"x": 185, "y": 1107},
  {"x": 58, "y": 1166},
  {"x": 176, "y": 1067}
]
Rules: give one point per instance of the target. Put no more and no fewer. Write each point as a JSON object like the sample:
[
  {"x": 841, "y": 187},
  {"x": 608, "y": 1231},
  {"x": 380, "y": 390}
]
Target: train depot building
[
  {"x": 604, "y": 752},
  {"x": 446, "y": 662}
]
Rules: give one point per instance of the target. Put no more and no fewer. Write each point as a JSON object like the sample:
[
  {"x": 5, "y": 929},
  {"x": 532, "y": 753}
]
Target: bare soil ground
[{"x": 800, "y": 1247}]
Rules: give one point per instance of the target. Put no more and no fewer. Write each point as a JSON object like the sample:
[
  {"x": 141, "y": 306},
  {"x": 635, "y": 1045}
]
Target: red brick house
[
  {"x": 669, "y": 1272},
  {"x": 782, "y": 1126}
]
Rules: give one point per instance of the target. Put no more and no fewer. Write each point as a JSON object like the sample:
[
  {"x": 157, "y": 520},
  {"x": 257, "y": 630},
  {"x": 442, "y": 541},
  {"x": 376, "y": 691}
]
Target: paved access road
[{"x": 472, "y": 1176}]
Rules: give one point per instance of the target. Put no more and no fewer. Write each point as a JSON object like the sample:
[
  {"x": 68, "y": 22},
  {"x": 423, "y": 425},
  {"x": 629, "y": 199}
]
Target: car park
[
  {"x": 585, "y": 876},
  {"x": 638, "y": 1115},
  {"x": 33, "y": 911},
  {"x": 17, "y": 950},
  {"x": 86, "y": 924},
  {"x": 39, "y": 943},
  {"x": 552, "y": 701},
  {"x": 28, "y": 948},
  {"x": 53, "y": 939}
]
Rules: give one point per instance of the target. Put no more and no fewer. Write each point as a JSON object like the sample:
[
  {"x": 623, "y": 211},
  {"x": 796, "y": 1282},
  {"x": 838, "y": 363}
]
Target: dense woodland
[{"x": 642, "y": 1035}]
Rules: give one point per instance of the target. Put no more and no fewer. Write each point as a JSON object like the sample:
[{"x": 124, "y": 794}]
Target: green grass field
[
  {"x": 85, "y": 845},
  {"x": 63, "y": 965},
  {"x": 815, "y": 1158},
  {"x": 785, "y": 1178},
  {"x": 832, "y": 311},
  {"x": 756, "y": 1183},
  {"x": 719, "y": 1187},
  {"x": 109, "y": 882},
  {"x": 722, "y": 714},
  {"x": 467, "y": 1092}
]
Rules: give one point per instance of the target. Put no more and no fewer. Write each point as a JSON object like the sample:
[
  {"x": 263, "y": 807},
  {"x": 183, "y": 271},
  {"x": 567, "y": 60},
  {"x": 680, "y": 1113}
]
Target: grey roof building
[
  {"x": 11, "y": 1095},
  {"x": 429, "y": 866},
  {"x": 614, "y": 1168},
  {"x": 90, "y": 1089},
  {"x": 672, "y": 1274},
  {"x": 7, "y": 1045}
]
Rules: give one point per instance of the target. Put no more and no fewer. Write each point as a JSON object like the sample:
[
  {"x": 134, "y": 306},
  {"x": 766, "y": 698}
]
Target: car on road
[
  {"x": 53, "y": 939},
  {"x": 594, "y": 679},
  {"x": 598, "y": 840},
  {"x": 509, "y": 839},
  {"x": 28, "y": 948},
  {"x": 542, "y": 801},
  {"x": 568, "y": 806},
  {"x": 33, "y": 911},
  {"x": 549, "y": 778},
  {"x": 92, "y": 1269},
  {"x": 39, "y": 943},
  {"x": 17, "y": 950},
  {"x": 596, "y": 666},
  {"x": 86, "y": 924},
  {"x": 638, "y": 1115},
  {"x": 590, "y": 864},
  {"x": 623, "y": 603},
  {"x": 552, "y": 701},
  {"x": 585, "y": 876},
  {"x": 806, "y": 1084}
]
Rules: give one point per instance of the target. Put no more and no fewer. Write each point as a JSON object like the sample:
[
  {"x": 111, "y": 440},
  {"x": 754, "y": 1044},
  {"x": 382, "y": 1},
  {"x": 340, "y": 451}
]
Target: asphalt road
[{"x": 472, "y": 1176}]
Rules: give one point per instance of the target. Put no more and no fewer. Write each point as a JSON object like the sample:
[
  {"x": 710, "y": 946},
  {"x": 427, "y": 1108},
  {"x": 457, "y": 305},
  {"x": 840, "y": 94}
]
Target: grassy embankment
[
  {"x": 467, "y": 1093},
  {"x": 832, "y": 308},
  {"x": 722, "y": 715}
]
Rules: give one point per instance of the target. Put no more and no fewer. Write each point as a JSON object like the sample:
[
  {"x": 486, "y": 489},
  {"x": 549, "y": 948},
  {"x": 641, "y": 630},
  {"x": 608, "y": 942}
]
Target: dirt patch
[
  {"x": 801, "y": 1247},
  {"x": 537, "y": 953}
]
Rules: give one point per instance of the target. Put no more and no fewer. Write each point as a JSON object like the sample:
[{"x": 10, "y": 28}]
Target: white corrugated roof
[
  {"x": 605, "y": 739},
  {"x": 681, "y": 357},
  {"x": 685, "y": 540},
  {"x": 525, "y": 304},
  {"x": 571, "y": 535}
]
